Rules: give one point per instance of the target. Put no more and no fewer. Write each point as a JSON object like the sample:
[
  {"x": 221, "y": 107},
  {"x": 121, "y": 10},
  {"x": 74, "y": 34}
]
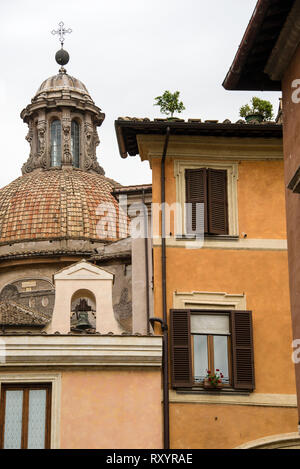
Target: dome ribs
[{"x": 55, "y": 204}]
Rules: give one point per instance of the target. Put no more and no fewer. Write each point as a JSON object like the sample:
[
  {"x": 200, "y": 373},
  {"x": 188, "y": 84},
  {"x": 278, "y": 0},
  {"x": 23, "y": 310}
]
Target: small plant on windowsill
[{"x": 213, "y": 380}]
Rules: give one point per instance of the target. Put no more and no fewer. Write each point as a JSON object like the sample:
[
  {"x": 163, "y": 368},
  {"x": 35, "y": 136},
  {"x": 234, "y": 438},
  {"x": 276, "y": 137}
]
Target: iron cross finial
[{"x": 61, "y": 31}]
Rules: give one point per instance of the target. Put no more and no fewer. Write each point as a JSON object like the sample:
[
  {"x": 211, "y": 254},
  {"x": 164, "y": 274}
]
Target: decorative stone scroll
[{"x": 37, "y": 156}]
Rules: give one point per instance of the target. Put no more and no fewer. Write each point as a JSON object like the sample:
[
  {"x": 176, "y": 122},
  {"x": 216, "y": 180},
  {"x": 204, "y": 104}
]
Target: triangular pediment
[{"x": 83, "y": 270}]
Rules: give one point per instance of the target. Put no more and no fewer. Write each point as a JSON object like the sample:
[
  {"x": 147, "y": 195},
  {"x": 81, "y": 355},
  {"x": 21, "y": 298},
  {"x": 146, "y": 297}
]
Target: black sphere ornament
[{"x": 62, "y": 57}]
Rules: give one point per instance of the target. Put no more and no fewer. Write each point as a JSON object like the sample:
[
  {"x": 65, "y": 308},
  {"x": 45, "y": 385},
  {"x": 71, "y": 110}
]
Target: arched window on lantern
[
  {"x": 56, "y": 143},
  {"x": 75, "y": 143}
]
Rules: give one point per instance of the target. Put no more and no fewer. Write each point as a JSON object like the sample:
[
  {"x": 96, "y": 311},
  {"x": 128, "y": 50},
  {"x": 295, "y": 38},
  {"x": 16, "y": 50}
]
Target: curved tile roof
[
  {"x": 14, "y": 314},
  {"x": 53, "y": 204}
]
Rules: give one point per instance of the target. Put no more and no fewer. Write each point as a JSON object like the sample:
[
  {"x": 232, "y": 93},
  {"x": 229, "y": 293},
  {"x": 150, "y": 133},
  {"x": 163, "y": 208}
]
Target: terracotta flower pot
[
  {"x": 254, "y": 117},
  {"x": 207, "y": 385}
]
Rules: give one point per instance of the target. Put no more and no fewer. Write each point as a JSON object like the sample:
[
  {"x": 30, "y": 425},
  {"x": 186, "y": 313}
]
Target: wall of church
[
  {"x": 111, "y": 409},
  {"x": 35, "y": 269}
]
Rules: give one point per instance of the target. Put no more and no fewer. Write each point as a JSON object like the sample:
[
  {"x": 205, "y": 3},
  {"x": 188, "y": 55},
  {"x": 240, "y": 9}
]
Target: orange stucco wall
[
  {"x": 218, "y": 426},
  {"x": 114, "y": 408},
  {"x": 261, "y": 198},
  {"x": 263, "y": 276}
]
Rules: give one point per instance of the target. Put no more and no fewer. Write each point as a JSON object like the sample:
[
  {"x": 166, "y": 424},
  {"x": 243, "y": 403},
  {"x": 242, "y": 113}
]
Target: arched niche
[{"x": 89, "y": 300}]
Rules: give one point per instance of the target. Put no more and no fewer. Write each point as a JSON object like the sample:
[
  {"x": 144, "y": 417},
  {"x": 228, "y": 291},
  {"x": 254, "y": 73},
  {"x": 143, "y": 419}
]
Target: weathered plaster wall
[
  {"x": 111, "y": 409},
  {"x": 35, "y": 268},
  {"x": 291, "y": 132}
]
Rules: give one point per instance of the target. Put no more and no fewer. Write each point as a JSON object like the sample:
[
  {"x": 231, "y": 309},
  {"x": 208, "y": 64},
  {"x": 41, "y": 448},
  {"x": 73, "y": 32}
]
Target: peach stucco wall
[{"x": 114, "y": 408}]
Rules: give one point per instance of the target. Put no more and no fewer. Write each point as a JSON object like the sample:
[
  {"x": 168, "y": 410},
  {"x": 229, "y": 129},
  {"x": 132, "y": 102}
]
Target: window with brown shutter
[
  {"x": 208, "y": 187},
  {"x": 206, "y": 339},
  {"x": 181, "y": 362},
  {"x": 242, "y": 350}
]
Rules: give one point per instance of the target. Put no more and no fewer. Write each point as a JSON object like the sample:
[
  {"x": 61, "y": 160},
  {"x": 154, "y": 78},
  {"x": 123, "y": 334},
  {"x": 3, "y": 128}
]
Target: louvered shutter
[
  {"x": 181, "y": 362},
  {"x": 217, "y": 201},
  {"x": 196, "y": 192},
  {"x": 242, "y": 350}
]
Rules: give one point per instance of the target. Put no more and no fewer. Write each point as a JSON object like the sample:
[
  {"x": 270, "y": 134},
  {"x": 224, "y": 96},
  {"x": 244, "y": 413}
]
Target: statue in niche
[
  {"x": 67, "y": 155},
  {"x": 40, "y": 161}
]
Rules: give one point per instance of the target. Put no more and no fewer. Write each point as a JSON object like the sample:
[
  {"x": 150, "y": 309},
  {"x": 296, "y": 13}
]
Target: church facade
[{"x": 79, "y": 366}]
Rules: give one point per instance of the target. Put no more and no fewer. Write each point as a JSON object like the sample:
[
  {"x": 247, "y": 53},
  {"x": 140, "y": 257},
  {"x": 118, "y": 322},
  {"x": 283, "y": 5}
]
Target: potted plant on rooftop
[
  {"x": 169, "y": 103},
  {"x": 260, "y": 110}
]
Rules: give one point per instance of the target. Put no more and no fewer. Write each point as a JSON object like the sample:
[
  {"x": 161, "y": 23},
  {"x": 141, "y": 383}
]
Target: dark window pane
[{"x": 75, "y": 143}]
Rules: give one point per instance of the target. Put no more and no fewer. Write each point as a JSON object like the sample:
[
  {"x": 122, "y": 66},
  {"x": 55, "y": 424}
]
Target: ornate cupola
[
  {"x": 55, "y": 206},
  {"x": 62, "y": 120}
]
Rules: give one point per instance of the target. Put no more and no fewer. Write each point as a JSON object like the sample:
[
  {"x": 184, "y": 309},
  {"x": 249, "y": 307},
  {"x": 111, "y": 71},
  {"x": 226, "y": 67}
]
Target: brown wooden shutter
[
  {"x": 196, "y": 192},
  {"x": 217, "y": 201},
  {"x": 242, "y": 350},
  {"x": 180, "y": 335}
]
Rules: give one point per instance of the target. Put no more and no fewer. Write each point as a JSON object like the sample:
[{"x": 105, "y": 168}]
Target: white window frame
[{"x": 36, "y": 378}]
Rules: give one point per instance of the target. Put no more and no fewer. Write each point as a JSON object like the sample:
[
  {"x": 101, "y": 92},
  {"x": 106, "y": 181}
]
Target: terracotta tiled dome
[{"x": 53, "y": 204}]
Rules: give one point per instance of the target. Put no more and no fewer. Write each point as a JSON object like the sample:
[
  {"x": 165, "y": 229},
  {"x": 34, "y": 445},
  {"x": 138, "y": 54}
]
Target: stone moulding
[{"x": 67, "y": 350}]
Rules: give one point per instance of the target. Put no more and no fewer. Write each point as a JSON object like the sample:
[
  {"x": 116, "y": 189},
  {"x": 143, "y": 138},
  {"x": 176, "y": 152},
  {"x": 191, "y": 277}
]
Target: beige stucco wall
[{"x": 111, "y": 409}]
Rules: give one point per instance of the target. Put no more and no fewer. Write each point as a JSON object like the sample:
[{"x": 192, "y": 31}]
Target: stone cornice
[
  {"x": 286, "y": 45},
  {"x": 253, "y": 399},
  {"x": 72, "y": 350},
  {"x": 217, "y": 148},
  {"x": 79, "y": 104}
]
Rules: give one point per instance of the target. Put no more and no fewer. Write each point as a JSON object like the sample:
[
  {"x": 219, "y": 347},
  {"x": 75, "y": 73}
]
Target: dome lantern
[{"x": 62, "y": 119}]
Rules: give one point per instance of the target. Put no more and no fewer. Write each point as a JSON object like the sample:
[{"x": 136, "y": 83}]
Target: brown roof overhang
[
  {"x": 247, "y": 70},
  {"x": 128, "y": 130}
]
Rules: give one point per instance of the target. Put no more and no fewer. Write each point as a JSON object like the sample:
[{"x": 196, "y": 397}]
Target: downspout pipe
[
  {"x": 146, "y": 262},
  {"x": 164, "y": 298}
]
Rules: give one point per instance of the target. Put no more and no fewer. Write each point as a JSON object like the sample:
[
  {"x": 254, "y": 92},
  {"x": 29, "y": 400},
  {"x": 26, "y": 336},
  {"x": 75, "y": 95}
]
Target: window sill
[
  {"x": 207, "y": 237},
  {"x": 214, "y": 392}
]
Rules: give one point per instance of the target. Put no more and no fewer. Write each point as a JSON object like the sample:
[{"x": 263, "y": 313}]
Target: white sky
[{"x": 126, "y": 52}]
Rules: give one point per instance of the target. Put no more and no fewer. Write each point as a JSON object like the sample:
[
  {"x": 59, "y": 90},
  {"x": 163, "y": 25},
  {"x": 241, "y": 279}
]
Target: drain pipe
[
  {"x": 146, "y": 262},
  {"x": 164, "y": 322},
  {"x": 164, "y": 298}
]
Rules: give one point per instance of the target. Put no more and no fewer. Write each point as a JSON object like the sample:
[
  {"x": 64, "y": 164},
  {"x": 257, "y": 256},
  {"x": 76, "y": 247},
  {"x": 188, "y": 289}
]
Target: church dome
[{"x": 54, "y": 204}]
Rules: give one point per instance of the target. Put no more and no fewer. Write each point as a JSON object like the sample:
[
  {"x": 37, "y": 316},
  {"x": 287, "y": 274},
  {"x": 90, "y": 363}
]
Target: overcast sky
[{"x": 126, "y": 52}]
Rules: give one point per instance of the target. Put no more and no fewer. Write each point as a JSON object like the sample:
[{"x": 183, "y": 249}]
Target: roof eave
[{"x": 244, "y": 74}]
